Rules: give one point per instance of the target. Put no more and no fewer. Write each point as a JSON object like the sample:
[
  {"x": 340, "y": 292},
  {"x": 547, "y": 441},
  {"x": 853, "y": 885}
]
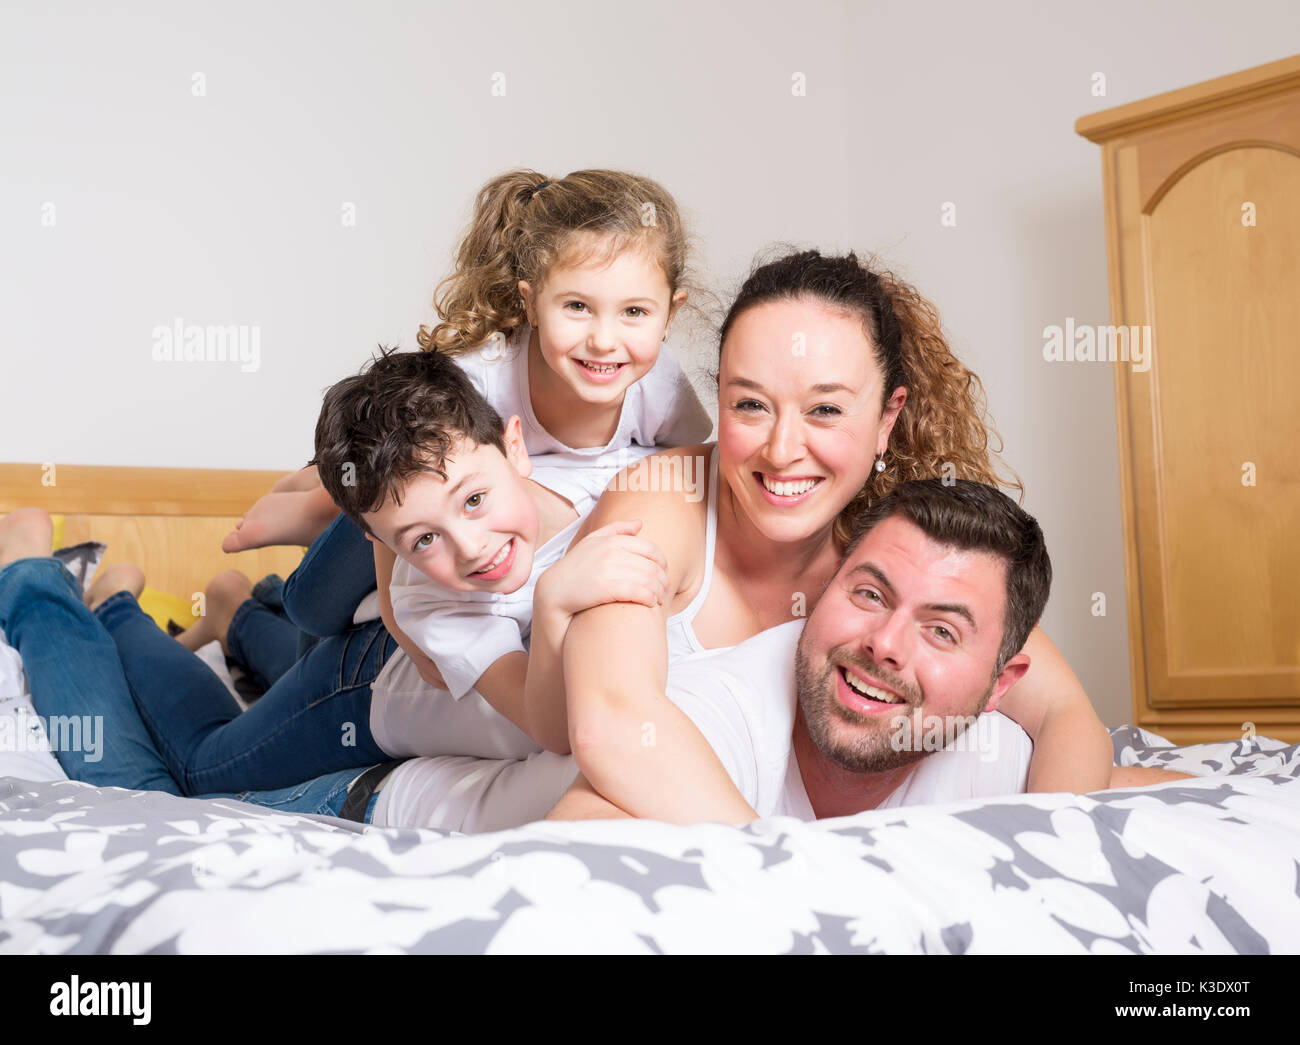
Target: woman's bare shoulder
[{"x": 668, "y": 491}]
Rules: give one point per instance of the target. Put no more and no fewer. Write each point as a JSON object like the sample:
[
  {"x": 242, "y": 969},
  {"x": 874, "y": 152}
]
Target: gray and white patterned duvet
[{"x": 1204, "y": 866}]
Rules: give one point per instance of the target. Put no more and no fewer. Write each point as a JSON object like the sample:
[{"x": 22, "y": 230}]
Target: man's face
[
  {"x": 906, "y": 630},
  {"x": 477, "y": 529}
]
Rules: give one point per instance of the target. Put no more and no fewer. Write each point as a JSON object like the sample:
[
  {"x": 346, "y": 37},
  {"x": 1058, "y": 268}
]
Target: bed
[
  {"x": 1188, "y": 867},
  {"x": 1202, "y": 866}
]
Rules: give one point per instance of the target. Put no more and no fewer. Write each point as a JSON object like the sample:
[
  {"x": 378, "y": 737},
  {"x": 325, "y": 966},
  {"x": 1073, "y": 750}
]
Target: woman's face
[{"x": 799, "y": 417}]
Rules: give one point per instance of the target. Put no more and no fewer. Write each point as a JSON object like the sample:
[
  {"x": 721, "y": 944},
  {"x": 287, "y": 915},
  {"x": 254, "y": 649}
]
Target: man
[{"x": 917, "y": 635}]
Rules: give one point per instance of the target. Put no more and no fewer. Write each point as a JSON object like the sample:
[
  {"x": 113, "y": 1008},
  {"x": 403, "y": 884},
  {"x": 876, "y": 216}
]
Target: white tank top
[{"x": 682, "y": 640}]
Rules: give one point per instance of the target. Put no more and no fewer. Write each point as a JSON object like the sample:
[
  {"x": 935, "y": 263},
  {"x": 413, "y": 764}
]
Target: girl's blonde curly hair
[
  {"x": 524, "y": 224},
  {"x": 943, "y": 428}
]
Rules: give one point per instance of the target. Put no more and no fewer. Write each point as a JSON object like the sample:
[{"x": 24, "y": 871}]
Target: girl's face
[
  {"x": 799, "y": 417},
  {"x": 600, "y": 323}
]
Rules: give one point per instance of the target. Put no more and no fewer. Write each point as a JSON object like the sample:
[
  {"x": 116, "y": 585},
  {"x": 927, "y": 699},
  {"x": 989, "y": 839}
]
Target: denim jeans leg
[
  {"x": 315, "y": 719},
  {"x": 177, "y": 696},
  {"x": 323, "y": 795},
  {"x": 75, "y": 676},
  {"x": 264, "y": 642},
  {"x": 337, "y": 572}
]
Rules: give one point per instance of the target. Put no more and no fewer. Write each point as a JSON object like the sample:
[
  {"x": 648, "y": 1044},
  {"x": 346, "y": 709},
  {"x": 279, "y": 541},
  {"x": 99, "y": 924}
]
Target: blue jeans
[
  {"x": 324, "y": 795},
  {"x": 262, "y": 638},
  {"x": 315, "y": 719},
  {"x": 337, "y": 572},
  {"x": 73, "y": 669}
]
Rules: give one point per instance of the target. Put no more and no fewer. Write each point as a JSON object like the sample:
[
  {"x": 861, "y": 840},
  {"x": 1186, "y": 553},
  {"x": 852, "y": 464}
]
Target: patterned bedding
[{"x": 1204, "y": 866}]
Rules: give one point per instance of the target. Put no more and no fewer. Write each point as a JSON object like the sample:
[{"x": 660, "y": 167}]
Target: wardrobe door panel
[{"x": 1218, "y": 498}]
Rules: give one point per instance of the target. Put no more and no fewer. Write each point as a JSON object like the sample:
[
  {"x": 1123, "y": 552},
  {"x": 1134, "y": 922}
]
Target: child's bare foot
[
  {"x": 27, "y": 533},
  {"x": 122, "y": 576},
  {"x": 292, "y": 517},
  {"x": 225, "y": 593},
  {"x": 303, "y": 479}
]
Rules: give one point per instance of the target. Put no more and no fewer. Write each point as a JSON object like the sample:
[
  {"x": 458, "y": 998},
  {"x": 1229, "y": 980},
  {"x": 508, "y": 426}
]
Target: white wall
[{"x": 225, "y": 209}]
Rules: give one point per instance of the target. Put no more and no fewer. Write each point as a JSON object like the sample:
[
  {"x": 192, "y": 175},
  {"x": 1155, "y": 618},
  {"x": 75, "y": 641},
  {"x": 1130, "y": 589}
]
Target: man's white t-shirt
[{"x": 743, "y": 701}]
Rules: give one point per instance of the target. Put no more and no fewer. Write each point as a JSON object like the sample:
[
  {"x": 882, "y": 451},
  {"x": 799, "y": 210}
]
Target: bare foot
[
  {"x": 27, "y": 533},
  {"x": 225, "y": 593},
  {"x": 303, "y": 479},
  {"x": 295, "y": 517},
  {"x": 122, "y": 576}
]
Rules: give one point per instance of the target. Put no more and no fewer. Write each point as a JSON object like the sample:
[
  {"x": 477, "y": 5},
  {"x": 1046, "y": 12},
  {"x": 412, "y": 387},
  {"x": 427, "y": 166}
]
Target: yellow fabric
[{"x": 161, "y": 605}]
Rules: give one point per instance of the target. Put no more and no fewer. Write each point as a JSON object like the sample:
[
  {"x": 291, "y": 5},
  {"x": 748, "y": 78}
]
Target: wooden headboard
[{"x": 168, "y": 521}]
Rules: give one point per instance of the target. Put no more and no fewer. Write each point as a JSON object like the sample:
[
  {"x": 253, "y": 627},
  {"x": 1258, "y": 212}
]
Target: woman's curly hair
[{"x": 943, "y": 429}]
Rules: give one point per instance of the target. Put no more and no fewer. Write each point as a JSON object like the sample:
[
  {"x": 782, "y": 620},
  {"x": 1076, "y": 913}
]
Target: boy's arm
[
  {"x": 544, "y": 703},
  {"x": 1072, "y": 749},
  {"x": 384, "y": 560}
]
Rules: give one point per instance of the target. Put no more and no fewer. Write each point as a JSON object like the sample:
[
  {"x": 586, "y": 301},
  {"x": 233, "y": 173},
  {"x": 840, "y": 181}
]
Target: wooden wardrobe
[{"x": 1202, "y": 189}]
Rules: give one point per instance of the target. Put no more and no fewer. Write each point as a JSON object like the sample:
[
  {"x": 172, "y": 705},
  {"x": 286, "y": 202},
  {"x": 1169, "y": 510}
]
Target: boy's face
[{"x": 477, "y": 529}]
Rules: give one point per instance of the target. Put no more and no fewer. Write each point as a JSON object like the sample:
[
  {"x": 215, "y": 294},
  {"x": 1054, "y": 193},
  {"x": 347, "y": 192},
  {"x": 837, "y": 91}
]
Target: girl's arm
[{"x": 1072, "y": 749}]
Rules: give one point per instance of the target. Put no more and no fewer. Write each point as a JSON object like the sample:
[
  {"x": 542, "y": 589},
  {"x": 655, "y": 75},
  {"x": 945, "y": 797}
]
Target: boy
[{"x": 470, "y": 541}]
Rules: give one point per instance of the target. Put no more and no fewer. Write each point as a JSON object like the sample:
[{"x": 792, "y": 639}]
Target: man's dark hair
[
  {"x": 961, "y": 513},
  {"x": 400, "y": 417}
]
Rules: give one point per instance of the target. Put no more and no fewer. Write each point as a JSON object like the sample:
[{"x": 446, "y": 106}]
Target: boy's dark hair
[
  {"x": 962, "y": 513},
  {"x": 400, "y": 417}
]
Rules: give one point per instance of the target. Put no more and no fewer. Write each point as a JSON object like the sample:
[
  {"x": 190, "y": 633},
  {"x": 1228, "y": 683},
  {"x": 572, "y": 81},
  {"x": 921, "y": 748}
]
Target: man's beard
[{"x": 876, "y": 743}]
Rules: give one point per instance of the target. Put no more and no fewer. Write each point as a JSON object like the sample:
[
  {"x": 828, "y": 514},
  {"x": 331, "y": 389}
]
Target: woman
[{"x": 835, "y": 382}]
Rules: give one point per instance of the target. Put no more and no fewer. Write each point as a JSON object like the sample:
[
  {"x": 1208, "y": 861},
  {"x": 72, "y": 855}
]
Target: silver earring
[{"x": 880, "y": 463}]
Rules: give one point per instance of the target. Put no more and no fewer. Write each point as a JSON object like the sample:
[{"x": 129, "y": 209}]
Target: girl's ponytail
[
  {"x": 524, "y": 224},
  {"x": 481, "y": 296}
]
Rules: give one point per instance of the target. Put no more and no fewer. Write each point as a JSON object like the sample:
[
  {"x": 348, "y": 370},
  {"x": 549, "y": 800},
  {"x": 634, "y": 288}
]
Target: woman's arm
[
  {"x": 636, "y": 747},
  {"x": 581, "y": 802},
  {"x": 1072, "y": 749}
]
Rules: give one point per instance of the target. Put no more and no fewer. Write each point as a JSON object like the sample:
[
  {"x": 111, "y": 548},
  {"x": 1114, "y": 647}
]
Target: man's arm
[{"x": 1072, "y": 749}]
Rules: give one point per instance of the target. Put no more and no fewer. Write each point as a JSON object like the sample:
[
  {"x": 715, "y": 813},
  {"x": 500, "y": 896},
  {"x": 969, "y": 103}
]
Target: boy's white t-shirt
[
  {"x": 743, "y": 701},
  {"x": 464, "y": 634}
]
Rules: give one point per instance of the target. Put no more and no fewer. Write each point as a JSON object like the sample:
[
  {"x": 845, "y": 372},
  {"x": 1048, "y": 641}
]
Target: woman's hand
[{"x": 610, "y": 564}]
